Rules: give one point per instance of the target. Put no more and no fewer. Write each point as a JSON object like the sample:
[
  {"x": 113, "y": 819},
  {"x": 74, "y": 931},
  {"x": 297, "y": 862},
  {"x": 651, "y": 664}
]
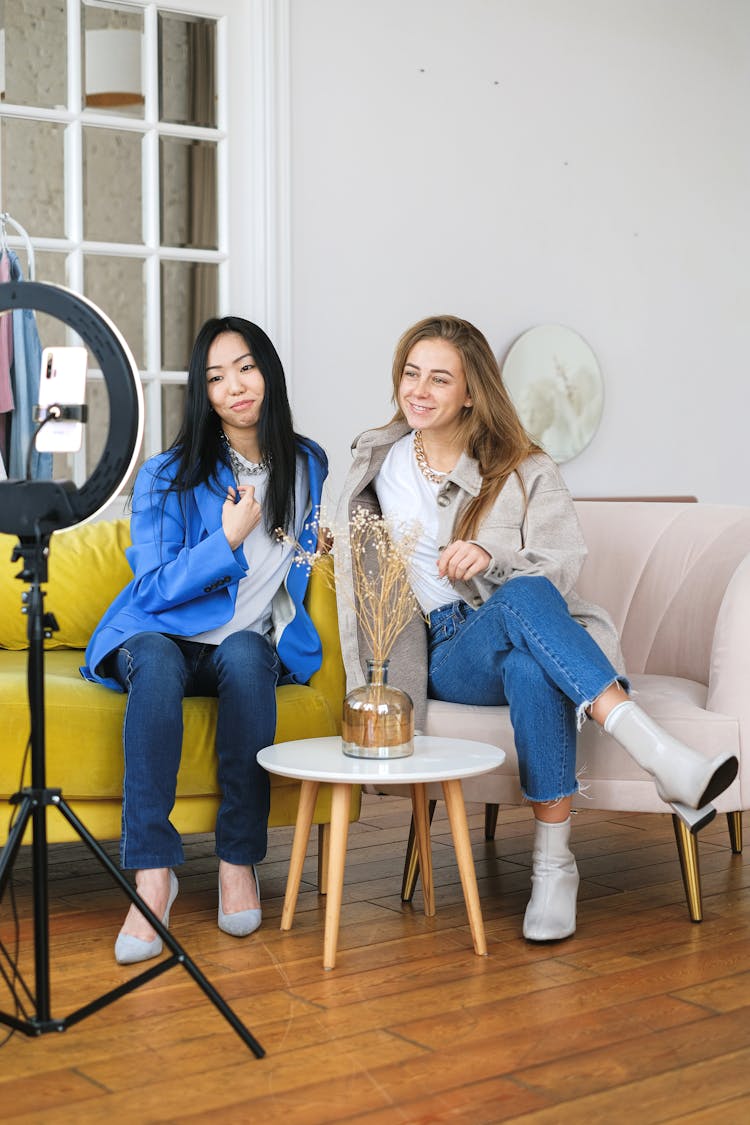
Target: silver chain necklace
[
  {"x": 241, "y": 467},
  {"x": 421, "y": 457}
]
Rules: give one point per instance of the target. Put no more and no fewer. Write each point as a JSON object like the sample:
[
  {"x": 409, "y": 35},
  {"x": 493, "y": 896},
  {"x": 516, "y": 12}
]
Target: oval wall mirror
[{"x": 556, "y": 385}]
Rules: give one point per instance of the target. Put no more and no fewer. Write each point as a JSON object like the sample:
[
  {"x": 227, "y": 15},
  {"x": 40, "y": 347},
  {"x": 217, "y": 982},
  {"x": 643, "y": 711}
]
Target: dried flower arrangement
[
  {"x": 379, "y": 553},
  {"x": 377, "y": 720}
]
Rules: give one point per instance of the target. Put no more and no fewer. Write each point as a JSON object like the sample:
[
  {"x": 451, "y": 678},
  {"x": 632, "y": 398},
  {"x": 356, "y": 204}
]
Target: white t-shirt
[
  {"x": 267, "y": 563},
  {"x": 396, "y": 484}
]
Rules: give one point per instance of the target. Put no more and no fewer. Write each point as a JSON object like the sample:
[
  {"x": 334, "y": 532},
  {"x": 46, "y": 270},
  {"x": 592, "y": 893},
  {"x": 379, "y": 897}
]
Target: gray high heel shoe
[
  {"x": 242, "y": 922},
  {"x": 129, "y": 949}
]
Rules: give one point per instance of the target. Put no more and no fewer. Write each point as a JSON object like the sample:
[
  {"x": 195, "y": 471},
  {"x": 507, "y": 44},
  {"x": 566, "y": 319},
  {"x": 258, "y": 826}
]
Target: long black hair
[{"x": 199, "y": 447}]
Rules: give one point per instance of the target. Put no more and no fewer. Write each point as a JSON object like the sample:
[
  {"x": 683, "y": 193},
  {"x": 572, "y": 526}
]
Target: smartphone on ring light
[{"x": 62, "y": 380}]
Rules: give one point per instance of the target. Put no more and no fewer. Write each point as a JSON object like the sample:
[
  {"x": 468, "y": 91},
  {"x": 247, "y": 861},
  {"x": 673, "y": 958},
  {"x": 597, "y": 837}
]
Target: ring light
[{"x": 71, "y": 505}]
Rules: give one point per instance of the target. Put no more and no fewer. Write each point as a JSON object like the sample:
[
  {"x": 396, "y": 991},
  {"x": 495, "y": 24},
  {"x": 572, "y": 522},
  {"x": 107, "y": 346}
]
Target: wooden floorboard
[{"x": 641, "y": 1016}]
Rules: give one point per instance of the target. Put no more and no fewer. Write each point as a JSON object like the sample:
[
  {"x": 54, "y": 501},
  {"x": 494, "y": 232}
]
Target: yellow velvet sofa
[{"x": 87, "y": 568}]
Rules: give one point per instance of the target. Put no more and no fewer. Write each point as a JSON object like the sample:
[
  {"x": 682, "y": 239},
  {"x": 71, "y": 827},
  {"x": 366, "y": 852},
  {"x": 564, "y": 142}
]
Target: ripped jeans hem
[
  {"x": 549, "y": 801},
  {"x": 582, "y": 708}
]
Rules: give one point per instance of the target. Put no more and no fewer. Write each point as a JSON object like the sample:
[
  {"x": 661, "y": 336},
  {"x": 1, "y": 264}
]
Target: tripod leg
[
  {"x": 180, "y": 956},
  {"x": 13, "y": 842},
  {"x": 31, "y": 807}
]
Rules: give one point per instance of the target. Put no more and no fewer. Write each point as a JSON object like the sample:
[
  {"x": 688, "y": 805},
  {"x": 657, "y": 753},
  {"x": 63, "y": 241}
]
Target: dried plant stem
[
  {"x": 378, "y": 554},
  {"x": 385, "y": 602}
]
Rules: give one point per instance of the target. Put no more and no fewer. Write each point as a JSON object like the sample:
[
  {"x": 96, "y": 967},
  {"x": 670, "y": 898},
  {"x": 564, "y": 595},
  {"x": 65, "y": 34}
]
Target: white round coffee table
[{"x": 316, "y": 760}]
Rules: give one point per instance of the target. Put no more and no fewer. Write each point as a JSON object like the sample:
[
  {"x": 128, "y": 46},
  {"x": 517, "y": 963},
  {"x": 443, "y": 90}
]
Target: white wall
[{"x": 518, "y": 162}]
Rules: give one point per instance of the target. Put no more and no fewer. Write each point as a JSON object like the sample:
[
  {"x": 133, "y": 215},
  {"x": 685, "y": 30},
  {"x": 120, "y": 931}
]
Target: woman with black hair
[{"x": 215, "y": 608}]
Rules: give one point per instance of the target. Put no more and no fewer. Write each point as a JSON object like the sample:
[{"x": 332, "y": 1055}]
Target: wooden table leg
[
  {"x": 340, "y": 804},
  {"x": 454, "y": 803},
  {"x": 308, "y": 796},
  {"x": 422, "y": 836}
]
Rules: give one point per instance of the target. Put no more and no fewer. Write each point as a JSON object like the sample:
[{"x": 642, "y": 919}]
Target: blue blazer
[{"x": 186, "y": 574}]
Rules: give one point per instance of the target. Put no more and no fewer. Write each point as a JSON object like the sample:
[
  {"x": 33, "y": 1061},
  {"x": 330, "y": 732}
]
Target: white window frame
[{"x": 253, "y": 138}]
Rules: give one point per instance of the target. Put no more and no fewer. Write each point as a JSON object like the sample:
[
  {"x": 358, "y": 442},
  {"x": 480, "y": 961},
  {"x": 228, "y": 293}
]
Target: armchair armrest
[{"x": 729, "y": 673}]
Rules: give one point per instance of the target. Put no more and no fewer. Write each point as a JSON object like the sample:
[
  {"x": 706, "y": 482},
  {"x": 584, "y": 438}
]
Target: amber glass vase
[{"x": 378, "y": 720}]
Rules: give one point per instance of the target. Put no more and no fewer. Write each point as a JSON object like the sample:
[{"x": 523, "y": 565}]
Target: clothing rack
[{"x": 7, "y": 220}]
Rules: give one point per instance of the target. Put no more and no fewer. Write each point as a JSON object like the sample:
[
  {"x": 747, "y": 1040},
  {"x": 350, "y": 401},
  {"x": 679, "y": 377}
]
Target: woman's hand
[
  {"x": 460, "y": 561},
  {"x": 240, "y": 516}
]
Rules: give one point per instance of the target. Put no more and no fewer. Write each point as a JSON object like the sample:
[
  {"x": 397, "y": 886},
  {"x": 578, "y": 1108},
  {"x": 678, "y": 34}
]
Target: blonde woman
[{"x": 494, "y": 573}]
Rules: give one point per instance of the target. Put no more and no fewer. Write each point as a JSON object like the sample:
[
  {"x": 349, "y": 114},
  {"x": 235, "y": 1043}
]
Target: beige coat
[{"x": 536, "y": 535}]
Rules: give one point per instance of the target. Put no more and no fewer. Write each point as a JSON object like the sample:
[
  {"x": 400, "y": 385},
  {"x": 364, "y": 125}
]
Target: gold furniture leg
[
  {"x": 421, "y": 830},
  {"x": 687, "y": 847},
  {"x": 490, "y": 821},
  {"x": 324, "y": 844},
  {"x": 411, "y": 863},
  {"x": 734, "y": 821}
]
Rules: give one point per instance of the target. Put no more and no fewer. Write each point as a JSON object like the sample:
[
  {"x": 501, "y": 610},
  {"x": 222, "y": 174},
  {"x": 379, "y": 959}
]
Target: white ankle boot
[
  {"x": 551, "y": 913},
  {"x": 682, "y": 775}
]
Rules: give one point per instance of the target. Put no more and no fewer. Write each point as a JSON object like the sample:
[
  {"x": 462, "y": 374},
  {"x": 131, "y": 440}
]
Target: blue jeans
[
  {"x": 523, "y": 648},
  {"x": 158, "y": 671}
]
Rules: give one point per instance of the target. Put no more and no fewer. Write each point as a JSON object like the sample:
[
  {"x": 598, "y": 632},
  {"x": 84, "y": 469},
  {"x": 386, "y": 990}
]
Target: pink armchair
[{"x": 676, "y": 579}]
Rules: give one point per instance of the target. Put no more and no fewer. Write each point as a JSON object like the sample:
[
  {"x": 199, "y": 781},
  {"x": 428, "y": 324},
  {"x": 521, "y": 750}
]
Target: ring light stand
[{"x": 33, "y": 510}]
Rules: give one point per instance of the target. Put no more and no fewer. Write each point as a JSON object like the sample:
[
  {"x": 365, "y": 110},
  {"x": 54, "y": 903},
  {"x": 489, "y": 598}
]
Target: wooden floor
[{"x": 641, "y": 1017}]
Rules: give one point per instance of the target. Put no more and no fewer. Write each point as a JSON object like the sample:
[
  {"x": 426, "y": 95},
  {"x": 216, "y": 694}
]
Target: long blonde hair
[{"x": 490, "y": 430}]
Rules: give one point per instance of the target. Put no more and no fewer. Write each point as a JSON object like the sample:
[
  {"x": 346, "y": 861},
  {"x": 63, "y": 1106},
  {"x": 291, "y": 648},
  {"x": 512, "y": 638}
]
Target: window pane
[
  {"x": 172, "y": 411},
  {"x": 117, "y": 286},
  {"x": 188, "y": 193},
  {"x": 189, "y": 295},
  {"x": 98, "y": 422},
  {"x": 50, "y": 267},
  {"x": 112, "y": 186},
  {"x": 31, "y": 157},
  {"x": 111, "y": 53},
  {"x": 187, "y": 70},
  {"x": 36, "y": 66},
  {"x": 97, "y": 429}
]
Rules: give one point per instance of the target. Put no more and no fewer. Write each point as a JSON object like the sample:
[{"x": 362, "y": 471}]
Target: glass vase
[{"x": 378, "y": 720}]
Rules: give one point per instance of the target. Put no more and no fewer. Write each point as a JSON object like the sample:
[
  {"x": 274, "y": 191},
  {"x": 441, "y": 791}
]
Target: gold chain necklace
[{"x": 424, "y": 466}]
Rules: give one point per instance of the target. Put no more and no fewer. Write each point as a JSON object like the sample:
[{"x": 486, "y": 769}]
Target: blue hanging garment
[
  {"x": 6, "y": 362},
  {"x": 27, "y": 362}
]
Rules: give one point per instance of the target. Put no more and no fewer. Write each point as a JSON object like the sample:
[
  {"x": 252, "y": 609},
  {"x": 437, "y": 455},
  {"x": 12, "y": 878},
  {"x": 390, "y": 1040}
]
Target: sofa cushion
[
  {"x": 83, "y": 727},
  {"x": 88, "y": 559}
]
